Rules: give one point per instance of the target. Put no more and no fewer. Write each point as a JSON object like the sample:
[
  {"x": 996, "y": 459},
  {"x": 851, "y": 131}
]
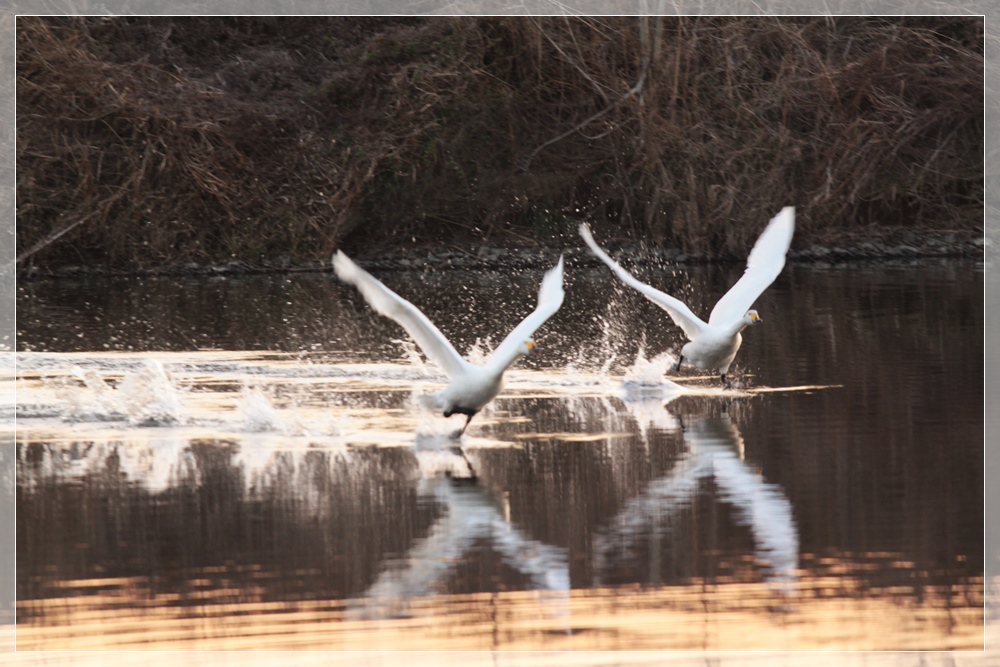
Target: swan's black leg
[
  {"x": 468, "y": 418},
  {"x": 469, "y": 414},
  {"x": 677, "y": 366}
]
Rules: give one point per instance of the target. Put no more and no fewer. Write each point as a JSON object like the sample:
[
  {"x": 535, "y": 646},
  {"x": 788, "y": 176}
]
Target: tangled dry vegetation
[{"x": 150, "y": 142}]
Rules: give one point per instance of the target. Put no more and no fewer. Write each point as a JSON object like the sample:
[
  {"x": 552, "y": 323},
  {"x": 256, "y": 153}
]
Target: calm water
[{"x": 240, "y": 463}]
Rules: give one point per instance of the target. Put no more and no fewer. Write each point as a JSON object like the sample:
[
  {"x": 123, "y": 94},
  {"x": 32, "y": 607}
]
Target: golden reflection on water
[
  {"x": 123, "y": 614},
  {"x": 533, "y": 658}
]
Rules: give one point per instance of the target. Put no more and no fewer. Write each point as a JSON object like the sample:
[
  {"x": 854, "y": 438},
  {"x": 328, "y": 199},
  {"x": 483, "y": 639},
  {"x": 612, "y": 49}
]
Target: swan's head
[
  {"x": 526, "y": 347},
  {"x": 752, "y": 317}
]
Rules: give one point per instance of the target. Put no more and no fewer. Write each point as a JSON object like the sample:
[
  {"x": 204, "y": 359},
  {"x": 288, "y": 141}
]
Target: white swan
[
  {"x": 470, "y": 387},
  {"x": 713, "y": 345}
]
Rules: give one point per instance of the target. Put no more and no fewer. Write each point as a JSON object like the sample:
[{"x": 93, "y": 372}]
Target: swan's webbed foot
[{"x": 728, "y": 384}]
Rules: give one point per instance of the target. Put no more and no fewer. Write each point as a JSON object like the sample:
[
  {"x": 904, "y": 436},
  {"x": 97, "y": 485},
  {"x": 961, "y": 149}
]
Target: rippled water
[{"x": 240, "y": 463}]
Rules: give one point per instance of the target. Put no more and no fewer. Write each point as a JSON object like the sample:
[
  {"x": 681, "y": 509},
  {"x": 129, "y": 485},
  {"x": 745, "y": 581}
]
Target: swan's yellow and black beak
[
  {"x": 530, "y": 344},
  {"x": 755, "y": 318}
]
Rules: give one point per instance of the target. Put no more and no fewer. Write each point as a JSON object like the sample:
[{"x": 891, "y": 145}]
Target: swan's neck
[
  {"x": 738, "y": 326},
  {"x": 497, "y": 365}
]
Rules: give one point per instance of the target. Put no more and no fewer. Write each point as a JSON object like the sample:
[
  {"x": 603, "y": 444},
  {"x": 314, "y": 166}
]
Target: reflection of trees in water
[
  {"x": 891, "y": 462},
  {"x": 894, "y": 454},
  {"x": 302, "y": 524},
  {"x": 308, "y": 524}
]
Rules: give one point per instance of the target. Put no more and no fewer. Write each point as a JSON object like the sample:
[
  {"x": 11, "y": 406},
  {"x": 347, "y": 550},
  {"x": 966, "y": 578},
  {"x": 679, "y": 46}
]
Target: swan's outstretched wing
[
  {"x": 550, "y": 297},
  {"x": 383, "y": 300},
  {"x": 677, "y": 309},
  {"x": 763, "y": 265}
]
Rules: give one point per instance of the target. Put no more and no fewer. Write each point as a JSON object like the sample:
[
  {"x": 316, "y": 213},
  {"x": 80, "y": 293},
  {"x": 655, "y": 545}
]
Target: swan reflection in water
[
  {"x": 714, "y": 451},
  {"x": 470, "y": 515}
]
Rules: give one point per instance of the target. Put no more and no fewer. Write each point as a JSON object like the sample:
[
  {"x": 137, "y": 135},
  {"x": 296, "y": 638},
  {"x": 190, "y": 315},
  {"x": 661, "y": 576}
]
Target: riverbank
[
  {"x": 895, "y": 246},
  {"x": 196, "y": 144}
]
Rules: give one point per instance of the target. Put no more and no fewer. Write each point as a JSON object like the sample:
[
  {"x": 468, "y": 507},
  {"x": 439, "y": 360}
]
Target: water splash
[
  {"x": 257, "y": 411},
  {"x": 480, "y": 351},
  {"x": 258, "y": 414},
  {"x": 609, "y": 353},
  {"x": 411, "y": 355},
  {"x": 606, "y": 368},
  {"x": 146, "y": 396},
  {"x": 597, "y": 353},
  {"x": 150, "y": 396},
  {"x": 649, "y": 372},
  {"x": 96, "y": 400}
]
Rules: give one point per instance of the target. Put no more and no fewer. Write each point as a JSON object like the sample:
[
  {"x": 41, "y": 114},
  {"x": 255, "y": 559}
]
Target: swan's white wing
[
  {"x": 383, "y": 300},
  {"x": 677, "y": 309},
  {"x": 763, "y": 265},
  {"x": 550, "y": 297}
]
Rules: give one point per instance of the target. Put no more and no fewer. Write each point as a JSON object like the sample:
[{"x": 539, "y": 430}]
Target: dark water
[{"x": 240, "y": 461}]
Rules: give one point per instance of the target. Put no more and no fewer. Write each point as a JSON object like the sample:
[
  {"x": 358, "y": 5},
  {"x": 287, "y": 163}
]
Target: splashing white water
[
  {"x": 150, "y": 396},
  {"x": 146, "y": 396},
  {"x": 259, "y": 415},
  {"x": 604, "y": 354},
  {"x": 98, "y": 400},
  {"x": 649, "y": 372},
  {"x": 257, "y": 411},
  {"x": 480, "y": 351},
  {"x": 411, "y": 354}
]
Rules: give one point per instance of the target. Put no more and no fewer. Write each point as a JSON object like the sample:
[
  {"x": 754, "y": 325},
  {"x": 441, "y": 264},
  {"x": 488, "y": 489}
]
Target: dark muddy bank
[{"x": 898, "y": 248}]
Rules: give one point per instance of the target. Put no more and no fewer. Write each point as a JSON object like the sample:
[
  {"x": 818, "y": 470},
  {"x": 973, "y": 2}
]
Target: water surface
[{"x": 240, "y": 463}]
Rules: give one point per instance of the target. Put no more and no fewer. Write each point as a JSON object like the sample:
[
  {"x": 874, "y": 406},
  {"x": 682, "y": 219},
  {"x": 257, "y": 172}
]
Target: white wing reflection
[
  {"x": 715, "y": 451},
  {"x": 470, "y": 515}
]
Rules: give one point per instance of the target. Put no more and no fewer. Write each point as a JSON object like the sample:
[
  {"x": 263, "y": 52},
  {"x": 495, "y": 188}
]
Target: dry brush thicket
[{"x": 146, "y": 142}]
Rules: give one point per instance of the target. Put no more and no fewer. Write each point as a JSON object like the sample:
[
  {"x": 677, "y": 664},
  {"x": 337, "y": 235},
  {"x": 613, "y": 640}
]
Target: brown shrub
[{"x": 155, "y": 140}]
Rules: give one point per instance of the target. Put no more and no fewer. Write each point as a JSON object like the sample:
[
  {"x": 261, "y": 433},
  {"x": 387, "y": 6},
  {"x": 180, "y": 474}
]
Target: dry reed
[{"x": 148, "y": 142}]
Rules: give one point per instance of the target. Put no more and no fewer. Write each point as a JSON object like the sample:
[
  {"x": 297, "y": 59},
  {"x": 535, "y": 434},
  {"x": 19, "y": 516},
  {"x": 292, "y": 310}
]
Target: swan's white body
[
  {"x": 713, "y": 344},
  {"x": 470, "y": 387}
]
